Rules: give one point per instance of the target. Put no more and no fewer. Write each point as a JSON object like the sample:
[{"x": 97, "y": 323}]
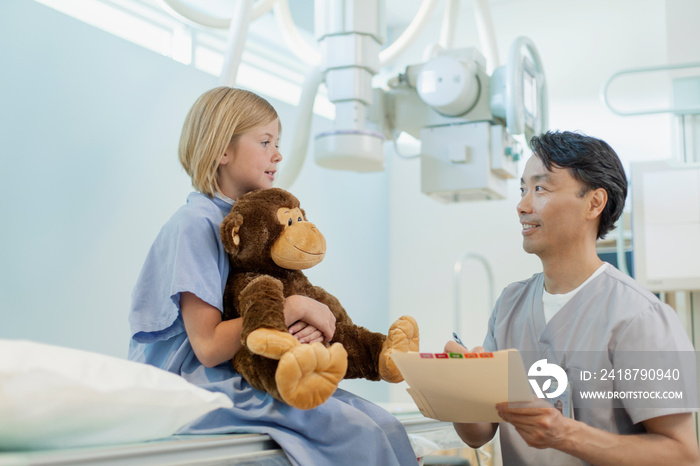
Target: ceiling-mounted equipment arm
[
  {"x": 487, "y": 36},
  {"x": 297, "y": 44},
  {"x": 237, "y": 34},
  {"x": 408, "y": 36},
  {"x": 295, "y": 154},
  {"x": 649, "y": 69},
  {"x": 196, "y": 17},
  {"x": 519, "y": 90}
]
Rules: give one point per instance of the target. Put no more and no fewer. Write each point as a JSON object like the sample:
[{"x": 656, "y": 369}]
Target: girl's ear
[
  {"x": 226, "y": 158},
  {"x": 228, "y": 153}
]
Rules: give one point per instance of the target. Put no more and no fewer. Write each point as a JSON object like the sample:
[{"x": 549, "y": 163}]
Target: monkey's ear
[
  {"x": 229, "y": 230},
  {"x": 234, "y": 235}
]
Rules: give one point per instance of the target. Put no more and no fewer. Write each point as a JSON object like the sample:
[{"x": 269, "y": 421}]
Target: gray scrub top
[{"x": 611, "y": 323}]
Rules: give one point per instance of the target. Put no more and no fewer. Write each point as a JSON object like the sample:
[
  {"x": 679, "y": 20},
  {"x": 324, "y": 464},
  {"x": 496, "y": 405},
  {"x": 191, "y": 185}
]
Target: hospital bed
[
  {"x": 427, "y": 436},
  {"x": 64, "y": 406}
]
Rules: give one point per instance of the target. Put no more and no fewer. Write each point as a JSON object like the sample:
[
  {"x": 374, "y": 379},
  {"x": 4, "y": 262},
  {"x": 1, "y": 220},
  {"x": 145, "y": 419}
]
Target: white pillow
[{"x": 54, "y": 397}]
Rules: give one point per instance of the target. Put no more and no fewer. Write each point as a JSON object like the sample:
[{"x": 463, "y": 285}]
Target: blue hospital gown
[{"x": 188, "y": 256}]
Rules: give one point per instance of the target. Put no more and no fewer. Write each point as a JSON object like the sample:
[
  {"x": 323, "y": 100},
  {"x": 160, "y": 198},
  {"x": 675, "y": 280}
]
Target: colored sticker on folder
[{"x": 455, "y": 355}]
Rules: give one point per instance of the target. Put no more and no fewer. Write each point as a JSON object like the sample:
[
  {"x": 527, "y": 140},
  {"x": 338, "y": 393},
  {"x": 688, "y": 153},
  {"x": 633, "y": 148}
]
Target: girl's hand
[
  {"x": 306, "y": 333},
  {"x": 311, "y": 312}
]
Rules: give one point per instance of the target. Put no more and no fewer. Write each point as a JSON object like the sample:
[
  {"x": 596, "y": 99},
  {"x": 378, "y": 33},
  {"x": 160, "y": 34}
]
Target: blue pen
[{"x": 457, "y": 339}]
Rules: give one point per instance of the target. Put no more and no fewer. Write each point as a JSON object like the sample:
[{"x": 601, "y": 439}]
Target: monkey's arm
[
  {"x": 260, "y": 302},
  {"x": 362, "y": 345}
]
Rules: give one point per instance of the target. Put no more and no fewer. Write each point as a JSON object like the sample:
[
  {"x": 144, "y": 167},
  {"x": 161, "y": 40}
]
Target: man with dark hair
[
  {"x": 591, "y": 162},
  {"x": 585, "y": 316}
]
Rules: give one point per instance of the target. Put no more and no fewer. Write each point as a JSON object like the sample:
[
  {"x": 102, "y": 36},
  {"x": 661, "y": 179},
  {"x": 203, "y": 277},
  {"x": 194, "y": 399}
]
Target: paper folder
[{"x": 458, "y": 387}]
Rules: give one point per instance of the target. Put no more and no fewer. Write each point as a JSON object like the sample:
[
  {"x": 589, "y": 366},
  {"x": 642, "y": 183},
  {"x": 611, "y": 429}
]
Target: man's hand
[
  {"x": 454, "y": 347},
  {"x": 539, "y": 423}
]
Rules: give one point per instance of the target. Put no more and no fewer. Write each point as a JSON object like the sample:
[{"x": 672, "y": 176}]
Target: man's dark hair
[{"x": 591, "y": 162}]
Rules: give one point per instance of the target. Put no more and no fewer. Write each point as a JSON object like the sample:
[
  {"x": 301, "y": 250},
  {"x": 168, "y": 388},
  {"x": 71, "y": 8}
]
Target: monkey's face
[
  {"x": 267, "y": 229},
  {"x": 300, "y": 245}
]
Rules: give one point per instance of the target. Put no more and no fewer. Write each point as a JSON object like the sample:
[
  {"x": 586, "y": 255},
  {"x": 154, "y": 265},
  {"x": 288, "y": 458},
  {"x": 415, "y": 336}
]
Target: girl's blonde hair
[{"x": 217, "y": 118}]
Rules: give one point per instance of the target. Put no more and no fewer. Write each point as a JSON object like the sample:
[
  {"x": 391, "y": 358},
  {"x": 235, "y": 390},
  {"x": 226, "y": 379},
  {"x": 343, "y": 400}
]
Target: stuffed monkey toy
[{"x": 269, "y": 242}]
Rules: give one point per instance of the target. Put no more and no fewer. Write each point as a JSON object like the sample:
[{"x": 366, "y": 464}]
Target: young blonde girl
[{"x": 229, "y": 146}]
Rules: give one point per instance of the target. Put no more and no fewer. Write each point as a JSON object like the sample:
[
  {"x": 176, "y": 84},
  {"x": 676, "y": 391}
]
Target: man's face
[{"x": 552, "y": 212}]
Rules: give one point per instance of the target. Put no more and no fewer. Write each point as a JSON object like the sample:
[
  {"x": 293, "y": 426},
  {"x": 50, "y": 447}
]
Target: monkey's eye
[{"x": 289, "y": 222}]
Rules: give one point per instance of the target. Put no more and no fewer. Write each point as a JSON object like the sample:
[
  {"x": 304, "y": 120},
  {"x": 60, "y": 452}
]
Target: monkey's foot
[
  {"x": 402, "y": 337},
  {"x": 270, "y": 343},
  {"x": 309, "y": 374}
]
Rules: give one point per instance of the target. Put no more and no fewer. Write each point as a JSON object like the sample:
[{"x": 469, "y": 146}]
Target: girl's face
[{"x": 250, "y": 162}]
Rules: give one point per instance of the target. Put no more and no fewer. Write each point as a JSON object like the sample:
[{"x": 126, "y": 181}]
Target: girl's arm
[{"x": 214, "y": 341}]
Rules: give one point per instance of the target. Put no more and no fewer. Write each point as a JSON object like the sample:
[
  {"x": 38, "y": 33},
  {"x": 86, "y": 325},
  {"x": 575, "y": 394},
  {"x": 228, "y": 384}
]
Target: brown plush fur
[{"x": 257, "y": 288}]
